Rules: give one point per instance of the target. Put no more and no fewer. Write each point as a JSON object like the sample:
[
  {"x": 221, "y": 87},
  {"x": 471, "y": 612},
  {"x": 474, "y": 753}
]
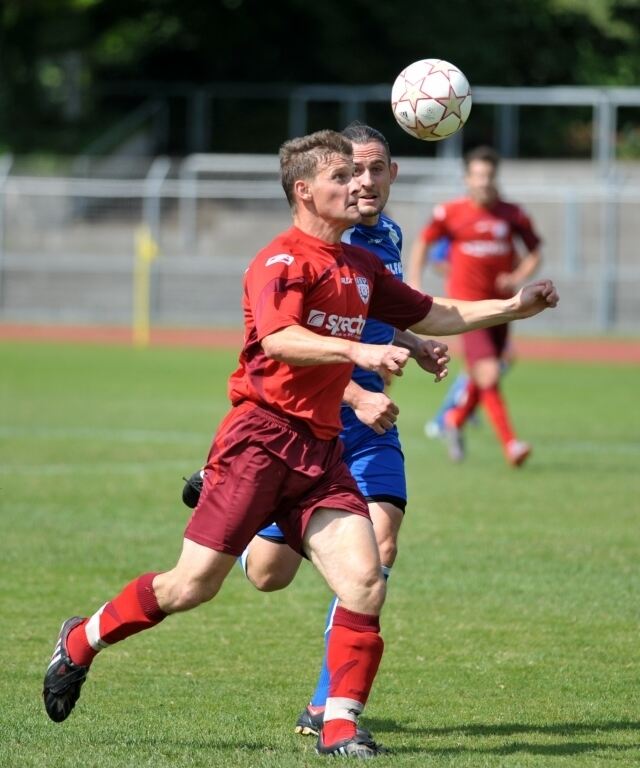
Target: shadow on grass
[{"x": 568, "y": 747}]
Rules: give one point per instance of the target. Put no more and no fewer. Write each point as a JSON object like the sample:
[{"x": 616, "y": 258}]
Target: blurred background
[{"x": 139, "y": 139}]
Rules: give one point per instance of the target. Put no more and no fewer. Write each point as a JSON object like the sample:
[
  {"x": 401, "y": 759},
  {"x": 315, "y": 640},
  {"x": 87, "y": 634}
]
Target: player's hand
[
  {"x": 535, "y": 298},
  {"x": 377, "y": 411},
  {"x": 505, "y": 284},
  {"x": 384, "y": 359},
  {"x": 433, "y": 356}
]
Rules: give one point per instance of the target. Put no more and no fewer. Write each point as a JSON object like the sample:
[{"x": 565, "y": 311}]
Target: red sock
[
  {"x": 471, "y": 397},
  {"x": 497, "y": 410},
  {"x": 354, "y": 653},
  {"x": 133, "y": 610}
]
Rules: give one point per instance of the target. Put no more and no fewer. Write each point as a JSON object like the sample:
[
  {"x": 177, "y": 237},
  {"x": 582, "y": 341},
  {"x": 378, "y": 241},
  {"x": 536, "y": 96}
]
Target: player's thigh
[
  {"x": 486, "y": 372},
  {"x": 271, "y": 564},
  {"x": 343, "y": 547},
  {"x": 387, "y": 519},
  {"x": 196, "y": 577}
]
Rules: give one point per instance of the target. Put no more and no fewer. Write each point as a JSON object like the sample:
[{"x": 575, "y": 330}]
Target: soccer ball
[{"x": 431, "y": 99}]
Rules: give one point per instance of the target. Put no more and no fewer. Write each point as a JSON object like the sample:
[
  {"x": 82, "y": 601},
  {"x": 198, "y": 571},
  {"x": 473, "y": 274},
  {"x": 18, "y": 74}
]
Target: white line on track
[
  {"x": 96, "y": 468},
  {"x": 107, "y": 434}
]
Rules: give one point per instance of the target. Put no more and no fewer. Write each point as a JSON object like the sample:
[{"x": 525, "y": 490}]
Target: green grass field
[{"x": 511, "y": 625}]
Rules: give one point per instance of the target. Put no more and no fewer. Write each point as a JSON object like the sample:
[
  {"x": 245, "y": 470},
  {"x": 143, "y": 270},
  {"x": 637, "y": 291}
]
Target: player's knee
[
  {"x": 377, "y": 595},
  {"x": 373, "y": 591},
  {"x": 189, "y": 594},
  {"x": 388, "y": 549},
  {"x": 267, "y": 581}
]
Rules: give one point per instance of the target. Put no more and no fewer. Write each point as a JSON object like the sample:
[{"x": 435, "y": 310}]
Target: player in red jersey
[
  {"x": 484, "y": 232},
  {"x": 277, "y": 456}
]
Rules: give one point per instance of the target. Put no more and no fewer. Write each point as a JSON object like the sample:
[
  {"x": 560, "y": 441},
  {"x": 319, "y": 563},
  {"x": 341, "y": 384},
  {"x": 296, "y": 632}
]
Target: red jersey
[
  {"x": 482, "y": 244},
  {"x": 329, "y": 289}
]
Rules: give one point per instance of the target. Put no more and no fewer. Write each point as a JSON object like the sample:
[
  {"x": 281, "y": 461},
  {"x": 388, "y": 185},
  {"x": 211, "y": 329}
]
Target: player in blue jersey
[{"x": 372, "y": 447}]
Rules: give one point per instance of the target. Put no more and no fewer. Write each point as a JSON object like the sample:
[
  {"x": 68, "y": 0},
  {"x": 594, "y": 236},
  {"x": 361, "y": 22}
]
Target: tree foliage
[{"x": 57, "y": 56}]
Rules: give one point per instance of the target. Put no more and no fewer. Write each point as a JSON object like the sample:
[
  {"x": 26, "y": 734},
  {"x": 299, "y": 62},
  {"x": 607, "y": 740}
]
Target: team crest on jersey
[
  {"x": 281, "y": 258},
  {"x": 363, "y": 288}
]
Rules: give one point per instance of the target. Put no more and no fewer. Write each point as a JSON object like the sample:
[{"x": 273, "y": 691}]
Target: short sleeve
[
  {"x": 274, "y": 291},
  {"x": 524, "y": 228},
  {"x": 395, "y": 303}
]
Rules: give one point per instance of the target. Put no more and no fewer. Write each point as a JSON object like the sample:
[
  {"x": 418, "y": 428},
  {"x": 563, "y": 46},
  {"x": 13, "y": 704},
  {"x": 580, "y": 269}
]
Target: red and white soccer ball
[{"x": 431, "y": 99}]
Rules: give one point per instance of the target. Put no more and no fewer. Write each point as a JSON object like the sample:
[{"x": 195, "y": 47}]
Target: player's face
[
  {"x": 481, "y": 182},
  {"x": 376, "y": 175},
  {"x": 335, "y": 191}
]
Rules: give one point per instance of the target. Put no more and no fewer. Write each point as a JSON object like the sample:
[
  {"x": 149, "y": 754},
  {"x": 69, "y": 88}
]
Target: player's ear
[
  {"x": 302, "y": 189},
  {"x": 393, "y": 171}
]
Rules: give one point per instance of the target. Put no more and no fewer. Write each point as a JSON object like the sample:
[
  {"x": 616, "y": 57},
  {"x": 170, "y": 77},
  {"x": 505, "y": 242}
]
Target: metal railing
[{"x": 67, "y": 245}]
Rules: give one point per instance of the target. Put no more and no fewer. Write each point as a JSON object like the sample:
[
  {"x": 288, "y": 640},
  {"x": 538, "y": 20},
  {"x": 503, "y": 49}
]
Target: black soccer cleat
[
  {"x": 192, "y": 488},
  {"x": 310, "y": 723},
  {"x": 361, "y": 746},
  {"x": 63, "y": 679}
]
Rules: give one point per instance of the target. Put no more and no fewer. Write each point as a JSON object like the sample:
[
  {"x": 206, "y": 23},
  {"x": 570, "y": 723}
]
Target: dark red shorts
[
  {"x": 265, "y": 468},
  {"x": 484, "y": 342}
]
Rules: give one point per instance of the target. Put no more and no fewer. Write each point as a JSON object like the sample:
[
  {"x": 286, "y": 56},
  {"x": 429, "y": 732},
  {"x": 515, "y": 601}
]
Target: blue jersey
[
  {"x": 375, "y": 461},
  {"x": 385, "y": 241}
]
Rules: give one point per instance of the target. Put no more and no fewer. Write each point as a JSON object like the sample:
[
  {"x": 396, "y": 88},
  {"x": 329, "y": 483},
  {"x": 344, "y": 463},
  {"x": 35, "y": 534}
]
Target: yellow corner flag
[{"x": 146, "y": 250}]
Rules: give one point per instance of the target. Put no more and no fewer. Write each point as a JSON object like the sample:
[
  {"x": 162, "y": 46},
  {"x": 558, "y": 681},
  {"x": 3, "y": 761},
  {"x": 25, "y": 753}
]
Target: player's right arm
[{"x": 296, "y": 345}]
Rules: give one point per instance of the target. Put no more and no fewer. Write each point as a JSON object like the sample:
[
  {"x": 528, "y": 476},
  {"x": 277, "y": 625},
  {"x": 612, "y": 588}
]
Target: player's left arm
[
  {"x": 527, "y": 266},
  {"x": 403, "y": 307},
  {"x": 453, "y": 316},
  {"x": 429, "y": 354}
]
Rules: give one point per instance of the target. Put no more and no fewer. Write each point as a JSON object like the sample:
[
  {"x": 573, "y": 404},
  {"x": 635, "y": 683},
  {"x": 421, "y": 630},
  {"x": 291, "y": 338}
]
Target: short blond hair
[{"x": 300, "y": 157}]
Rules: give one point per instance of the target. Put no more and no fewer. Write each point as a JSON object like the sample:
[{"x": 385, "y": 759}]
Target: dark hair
[
  {"x": 299, "y": 158},
  {"x": 485, "y": 153},
  {"x": 360, "y": 133}
]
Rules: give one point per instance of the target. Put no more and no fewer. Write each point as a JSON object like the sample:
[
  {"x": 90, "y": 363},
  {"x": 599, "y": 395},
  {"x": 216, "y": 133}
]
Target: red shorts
[
  {"x": 266, "y": 468},
  {"x": 485, "y": 342}
]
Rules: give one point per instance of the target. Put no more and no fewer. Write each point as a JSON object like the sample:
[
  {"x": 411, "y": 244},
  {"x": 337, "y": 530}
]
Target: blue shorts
[{"x": 376, "y": 463}]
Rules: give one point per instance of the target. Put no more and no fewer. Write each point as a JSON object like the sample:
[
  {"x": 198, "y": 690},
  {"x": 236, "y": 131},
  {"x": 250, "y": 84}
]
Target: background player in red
[
  {"x": 484, "y": 231},
  {"x": 277, "y": 455}
]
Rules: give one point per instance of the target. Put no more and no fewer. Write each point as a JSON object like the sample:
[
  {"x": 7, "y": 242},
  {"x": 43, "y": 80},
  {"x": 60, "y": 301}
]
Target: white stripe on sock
[
  {"x": 92, "y": 631},
  {"x": 329, "y": 626},
  {"x": 338, "y": 708}
]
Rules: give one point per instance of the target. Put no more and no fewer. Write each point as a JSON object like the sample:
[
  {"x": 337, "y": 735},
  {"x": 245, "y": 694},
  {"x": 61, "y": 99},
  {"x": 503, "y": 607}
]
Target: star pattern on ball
[
  {"x": 441, "y": 66},
  {"x": 451, "y": 104},
  {"x": 413, "y": 93},
  {"x": 428, "y": 131}
]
